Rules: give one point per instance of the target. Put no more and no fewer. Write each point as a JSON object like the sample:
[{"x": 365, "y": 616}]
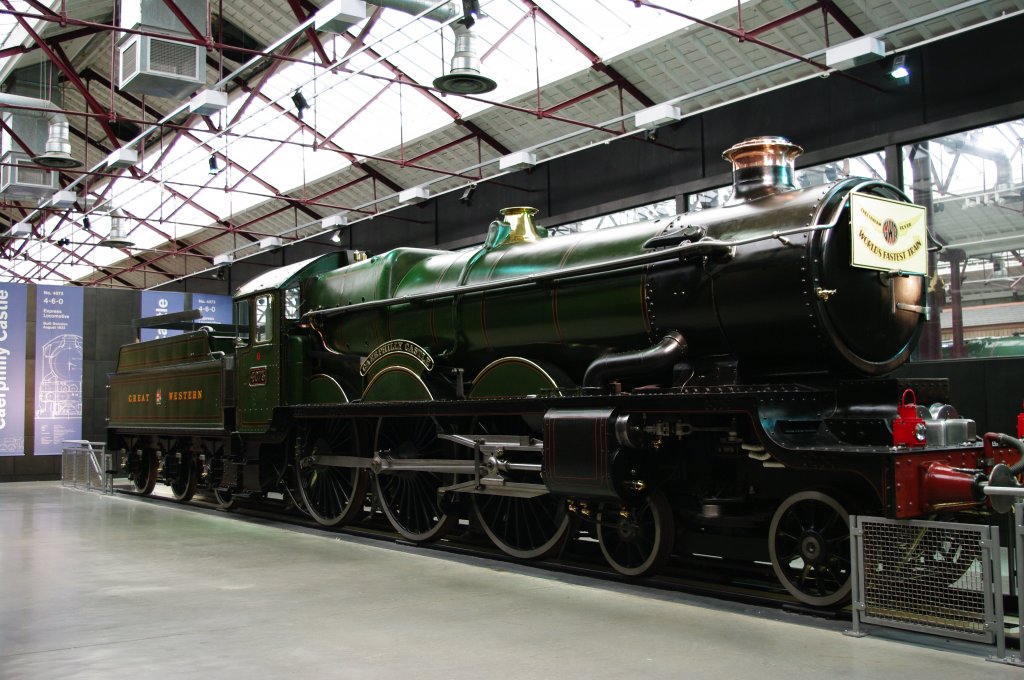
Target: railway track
[{"x": 751, "y": 585}]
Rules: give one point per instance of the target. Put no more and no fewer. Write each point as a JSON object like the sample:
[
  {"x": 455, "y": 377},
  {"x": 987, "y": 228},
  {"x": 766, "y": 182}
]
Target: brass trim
[{"x": 520, "y": 221}]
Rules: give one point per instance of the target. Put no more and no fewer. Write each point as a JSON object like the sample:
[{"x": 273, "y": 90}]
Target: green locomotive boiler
[{"x": 712, "y": 383}]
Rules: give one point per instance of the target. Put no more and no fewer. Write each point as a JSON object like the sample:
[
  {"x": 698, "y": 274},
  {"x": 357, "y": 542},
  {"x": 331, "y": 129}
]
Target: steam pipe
[
  {"x": 58, "y": 142},
  {"x": 669, "y": 351},
  {"x": 1006, "y": 440}
]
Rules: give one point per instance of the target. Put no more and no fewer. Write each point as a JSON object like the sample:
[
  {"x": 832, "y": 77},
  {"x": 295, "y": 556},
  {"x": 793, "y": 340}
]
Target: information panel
[
  {"x": 215, "y": 308},
  {"x": 13, "y": 308},
  {"x": 158, "y": 303},
  {"x": 59, "y": 325}
]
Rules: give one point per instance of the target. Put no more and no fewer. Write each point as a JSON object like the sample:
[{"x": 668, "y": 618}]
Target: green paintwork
[
  {"x": 258, "y": 373},
  {"x": 181, "y": 396},
  {"x": 280, "y": 278},
  {"x": 588, "y": 315},
  {"x": 259, "y": 386},
  {"x": 178, "y": 349},
  {"x": 396, "y": 383},
  {"x": 323, "y": 389},
  {"x": 512, "y": 377},
  {"x": 296, "y": 369}
]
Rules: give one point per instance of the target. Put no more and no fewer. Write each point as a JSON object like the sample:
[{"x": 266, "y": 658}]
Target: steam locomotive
[{"x": 712, "y": 383}]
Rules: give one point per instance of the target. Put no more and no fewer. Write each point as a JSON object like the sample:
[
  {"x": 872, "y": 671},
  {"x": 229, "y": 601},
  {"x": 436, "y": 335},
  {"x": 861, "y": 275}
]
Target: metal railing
[
  {"x": 941, "y": 578},
  {"x": 88, "y": 465}
]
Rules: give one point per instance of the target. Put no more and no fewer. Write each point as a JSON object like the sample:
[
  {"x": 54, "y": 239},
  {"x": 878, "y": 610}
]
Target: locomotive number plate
[
  {"x": 888, "y": 235},
  {"x": 258, "y": 376}
]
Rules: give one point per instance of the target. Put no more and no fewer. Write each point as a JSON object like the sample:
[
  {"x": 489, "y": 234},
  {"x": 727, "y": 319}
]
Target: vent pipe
[
  {"x": 58, "y": 142},
  {"x": 762, "y": 166},
  {"x": 464, "y": 77},
  {"x": 118, "y": 237}
]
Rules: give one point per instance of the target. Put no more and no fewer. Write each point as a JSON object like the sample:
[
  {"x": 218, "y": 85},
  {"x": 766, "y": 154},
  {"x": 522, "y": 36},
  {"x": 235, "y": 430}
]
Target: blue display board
[
  {"x": 13, "y": 310},
  {"x": 158, "y": 303},
  {"x": 59, "y": 323},
  {"x": 215, "y": 308}
]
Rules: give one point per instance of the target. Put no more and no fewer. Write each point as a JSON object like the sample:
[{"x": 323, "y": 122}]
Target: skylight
[{"x": 361, "y": 109}]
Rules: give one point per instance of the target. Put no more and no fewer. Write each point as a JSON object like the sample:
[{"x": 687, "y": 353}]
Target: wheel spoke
[
  {"x": 409, "y": 498},
  {"x": 640, "y": 544},
  {"x": 812, "y": 563},
  {"x": 332, "y": 495},
  {"x": 525, "y": 528}
]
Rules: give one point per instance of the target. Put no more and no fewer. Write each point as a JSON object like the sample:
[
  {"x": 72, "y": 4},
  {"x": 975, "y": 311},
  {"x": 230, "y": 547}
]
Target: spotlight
[
  {"x": 213, "y": 165},
  {"x": 336, "y": 237},
  {"x": 467, "y": 195},
  {"x": 900, "y": 70},
  {"x": 300, "y": 103},
  {"x": 63, "y": 242},
  {"x": 470, "y": 12},
  {"x": 86, "y": 223}
]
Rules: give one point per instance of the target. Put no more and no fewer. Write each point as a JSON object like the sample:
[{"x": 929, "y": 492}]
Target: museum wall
[{"x": 831, "y": 118}]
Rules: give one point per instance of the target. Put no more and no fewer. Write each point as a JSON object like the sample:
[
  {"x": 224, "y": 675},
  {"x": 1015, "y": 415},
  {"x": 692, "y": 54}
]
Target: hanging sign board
[
  {"x": 214, "y": 308},
  {"x": 13, "y": 309},
  {"x": 888, "y": 235},
  {"x": 158, "y": 303},
  {"x": 59, "y": 323}
]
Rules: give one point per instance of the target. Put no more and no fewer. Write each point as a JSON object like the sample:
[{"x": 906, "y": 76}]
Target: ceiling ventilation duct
[
  {"x": 57, "y": 152},
  {"x": 118, "y": 237},
  {"x": 163, "y": 67},
  {"x": 465, "y": 76}
]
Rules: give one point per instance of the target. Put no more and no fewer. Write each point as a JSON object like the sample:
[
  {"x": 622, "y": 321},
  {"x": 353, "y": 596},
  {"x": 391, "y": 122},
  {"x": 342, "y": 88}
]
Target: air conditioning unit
[
  {"x": 20, "y": 178},
  {"x": 161, "y": 67}
]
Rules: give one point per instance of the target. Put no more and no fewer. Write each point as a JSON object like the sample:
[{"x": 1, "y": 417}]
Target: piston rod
[{"x": 444, "y": 465}]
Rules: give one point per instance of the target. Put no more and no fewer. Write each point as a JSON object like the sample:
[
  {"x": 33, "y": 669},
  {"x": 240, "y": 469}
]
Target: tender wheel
[
  {"x": 409, "y": 499},
  {"x": 809, "y": 542},
  {"x": 144, "y": 479},
  {"x": 637, "y": 541},
  {"x": 183, "y": 485},
  {"x": 525, "y": 528},
  {"x": 225, "y": 499},
  {"x": 331, "y": 495}
]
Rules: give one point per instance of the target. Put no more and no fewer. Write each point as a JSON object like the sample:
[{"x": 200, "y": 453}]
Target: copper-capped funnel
[
  {"x": 762, "y": 166},
  {"x": 520, "y": 220}
]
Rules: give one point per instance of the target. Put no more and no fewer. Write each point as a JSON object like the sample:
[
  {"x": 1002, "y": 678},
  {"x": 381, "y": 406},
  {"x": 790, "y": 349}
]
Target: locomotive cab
[{"x": 271, "y": 343}]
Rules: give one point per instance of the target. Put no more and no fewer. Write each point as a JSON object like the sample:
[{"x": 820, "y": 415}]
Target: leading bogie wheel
[
  {"x": 809, "y": 543},
  {"x": 331, "y": 495},
  {"x": 637, "y": 540},
  {"x": 409, "y": 498}
]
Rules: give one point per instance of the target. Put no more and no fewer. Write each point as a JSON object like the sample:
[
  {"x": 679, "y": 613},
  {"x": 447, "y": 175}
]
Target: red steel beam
[
  {"x": 60, "y": 60},
  {"x": 271, "y": 70},
  {"x": 742, "y": 36},
  {"x": 311, "y": 35},
  {"x": 187, "y": 23},
  {"x": 595, "y": 60}
]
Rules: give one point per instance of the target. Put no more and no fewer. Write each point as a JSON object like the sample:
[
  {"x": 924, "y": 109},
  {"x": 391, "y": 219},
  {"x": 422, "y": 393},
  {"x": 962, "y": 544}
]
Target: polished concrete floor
[{"x": 107, "y": 587}]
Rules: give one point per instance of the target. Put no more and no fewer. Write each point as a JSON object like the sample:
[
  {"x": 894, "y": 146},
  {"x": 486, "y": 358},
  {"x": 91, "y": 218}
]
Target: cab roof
[{"x": 280, "y": 278}]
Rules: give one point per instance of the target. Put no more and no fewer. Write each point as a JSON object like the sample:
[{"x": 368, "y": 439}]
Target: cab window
[
  {"x": 242, "y": 322},
  {"x": 291, "y": 304},
  {"x": 264, "y": 318}
]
